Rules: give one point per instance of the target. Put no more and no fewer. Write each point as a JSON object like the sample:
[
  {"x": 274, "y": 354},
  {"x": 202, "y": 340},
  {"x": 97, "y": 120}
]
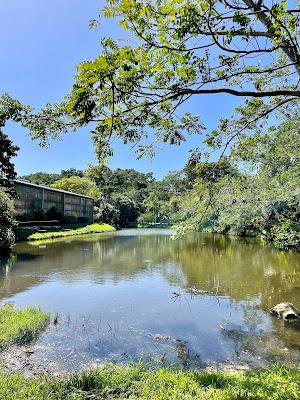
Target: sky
[{"x": 41, "y": 43}]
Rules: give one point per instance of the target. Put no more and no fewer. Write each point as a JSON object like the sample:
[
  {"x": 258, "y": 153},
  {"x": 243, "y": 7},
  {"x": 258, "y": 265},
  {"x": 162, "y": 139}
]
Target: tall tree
[
  {"x": 261, "y": 198},
  {"x": 182, "y": 49},
  {"x": 7, "y": 174},
  {"x": 7, "y": 222},
  {"x": 7, "y": 168},
  {"x": 77, "y": 184},
  {"x": 243, "y": 48}
]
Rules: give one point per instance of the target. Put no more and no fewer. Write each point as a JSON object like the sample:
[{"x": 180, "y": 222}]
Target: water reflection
[{"x": 209, "y": 293}]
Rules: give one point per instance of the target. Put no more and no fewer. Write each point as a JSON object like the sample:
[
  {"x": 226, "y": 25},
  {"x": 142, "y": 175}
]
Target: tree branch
[
  {"x": 264, "y": 19},
  {"x": 243, "y": 93}
]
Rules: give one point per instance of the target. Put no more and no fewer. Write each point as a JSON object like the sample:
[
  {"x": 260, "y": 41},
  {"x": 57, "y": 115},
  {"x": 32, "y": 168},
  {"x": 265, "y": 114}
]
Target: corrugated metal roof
[{"x": 51, "y": 189}]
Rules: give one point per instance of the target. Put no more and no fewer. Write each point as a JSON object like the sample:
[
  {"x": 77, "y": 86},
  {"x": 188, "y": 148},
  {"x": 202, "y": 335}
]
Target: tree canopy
[
  {"x": 243, "y": 48},
  {"x": 180, "y": 49},
  {"x": 45, "y": 178},
  {"x": 262, "y": 198},
  {"x": 77, "y": 184}
]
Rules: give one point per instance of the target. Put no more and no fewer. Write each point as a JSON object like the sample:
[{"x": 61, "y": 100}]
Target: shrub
[
  {"x": 286, "y": 237},
  {"x": 7, "y": 222}
]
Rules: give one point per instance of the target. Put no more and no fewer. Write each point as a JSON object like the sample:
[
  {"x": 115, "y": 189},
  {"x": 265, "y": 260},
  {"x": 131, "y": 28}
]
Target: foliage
[
  {"x": 44, "y": 178},
  {"x": 106, "y": 211},
  {"x": 119, "y": 210},
  {"x": 179, "y": 50},
  {"x": 157, "y": 203},
  {"x": 41, "y": 178},
  {"x": 52, "y": 234},
  {"x": 7, "y": 222},
  {"x": 77, "y": 184},
  {"x": 20, "y": 326},
  {"x": 265, "y": 201},
  {"x": 126, "y": 179},
  {"x": 7, "y": 174},
  {"x": 140, "y": 382},
  {"x": 7, "y": 151},
  {"x": 161, "y": 205},
  {"x": 187, "y": 49},
  {"x": 123, "y": 192},
  {"x": 128, "y": 208}
]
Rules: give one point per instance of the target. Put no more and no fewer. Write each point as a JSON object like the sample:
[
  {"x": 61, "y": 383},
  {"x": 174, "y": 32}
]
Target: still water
[{"x": 140, "y": 295}]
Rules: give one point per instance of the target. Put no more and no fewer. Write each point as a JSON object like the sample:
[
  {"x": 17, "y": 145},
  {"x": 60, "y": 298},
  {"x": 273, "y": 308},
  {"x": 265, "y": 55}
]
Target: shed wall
[{"x": 33, "y": 199}]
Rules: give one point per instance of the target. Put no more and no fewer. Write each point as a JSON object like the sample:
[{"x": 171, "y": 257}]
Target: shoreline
[{"x": 26, "y": 235}]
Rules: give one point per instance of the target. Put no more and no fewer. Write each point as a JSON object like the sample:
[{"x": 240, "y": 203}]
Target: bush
[
  {"x": 107, "y": 212},
  {"x": 7, "y": 222},
  {"x": 286, "y": 237}
]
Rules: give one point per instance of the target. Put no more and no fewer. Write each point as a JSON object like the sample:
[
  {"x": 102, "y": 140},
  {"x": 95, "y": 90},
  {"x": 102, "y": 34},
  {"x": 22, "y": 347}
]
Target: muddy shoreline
[{"x": 21, "y": 359}]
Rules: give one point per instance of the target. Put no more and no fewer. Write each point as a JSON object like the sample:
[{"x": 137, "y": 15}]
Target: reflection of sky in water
[{"x": 128, "y": 296}]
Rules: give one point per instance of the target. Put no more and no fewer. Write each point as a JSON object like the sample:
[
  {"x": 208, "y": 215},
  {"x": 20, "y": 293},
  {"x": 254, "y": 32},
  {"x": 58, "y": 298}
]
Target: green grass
[
  {"x": 20, "y": 326},
  {"x": 94, "y": 228},
  {"x": 139, "y": 382}
]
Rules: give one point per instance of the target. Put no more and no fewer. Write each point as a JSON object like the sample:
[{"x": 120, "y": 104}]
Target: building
[{"x": 38, "y": 200}]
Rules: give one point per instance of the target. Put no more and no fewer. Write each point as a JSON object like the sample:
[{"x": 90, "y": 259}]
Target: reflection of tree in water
[
  {"x": 239, "y": 269},
  {"x": 253, "y": 276},
  {"x": 234, "y": 267}
]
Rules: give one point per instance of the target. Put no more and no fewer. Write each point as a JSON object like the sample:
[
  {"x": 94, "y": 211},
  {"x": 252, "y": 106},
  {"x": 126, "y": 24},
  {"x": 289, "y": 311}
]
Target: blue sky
[{"x": 41, "y": 43}]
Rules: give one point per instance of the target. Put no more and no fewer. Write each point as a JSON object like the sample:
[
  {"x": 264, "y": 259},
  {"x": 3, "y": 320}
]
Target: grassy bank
[
  {"x": 20, "y": 326},
  {"x": 52, "y": 234},
  {"x": 138, "y": 382}
]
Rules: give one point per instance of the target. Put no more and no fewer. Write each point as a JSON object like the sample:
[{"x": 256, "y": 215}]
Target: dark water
[{"x": 138, "y": 294}]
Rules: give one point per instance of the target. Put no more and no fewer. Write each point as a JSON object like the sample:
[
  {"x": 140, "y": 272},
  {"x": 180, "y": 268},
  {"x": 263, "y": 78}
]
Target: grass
[
  {"x": 20, "y": 326},
  {"x": 139, "y": 382},
  {"x": 52, "y": 234}
]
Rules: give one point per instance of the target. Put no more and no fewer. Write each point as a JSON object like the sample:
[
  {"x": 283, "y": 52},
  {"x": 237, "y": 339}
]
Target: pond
[{"x": 202, "y": 300}]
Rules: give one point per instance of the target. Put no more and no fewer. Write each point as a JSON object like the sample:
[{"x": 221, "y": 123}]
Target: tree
[
  {"x": 107, "y": 211},
  {"x": 41, "y": 178},
  {"x": 45, "y": 178},
  {"x": 7, "y": 175},
  {"x": 67, "y": 173},
  {"x": 262, "y": 198},
  {"x": 7, "y": 222},
  {"x": 7, "y": 168},
  {"x": 76, "y": 184},
  {"x": 128, "y": 210},
  {"x": 156, "y": 203},
  {"x": 119, "y": 180},
  {"x": 243, "y": 48}
]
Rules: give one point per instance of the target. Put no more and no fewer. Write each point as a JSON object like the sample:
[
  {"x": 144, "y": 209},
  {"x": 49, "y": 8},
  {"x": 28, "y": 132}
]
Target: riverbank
[
  {"x": 140, "y": 382},
  {"x": 20, "y": 326},
  {"x": 26, "y": 234}
]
